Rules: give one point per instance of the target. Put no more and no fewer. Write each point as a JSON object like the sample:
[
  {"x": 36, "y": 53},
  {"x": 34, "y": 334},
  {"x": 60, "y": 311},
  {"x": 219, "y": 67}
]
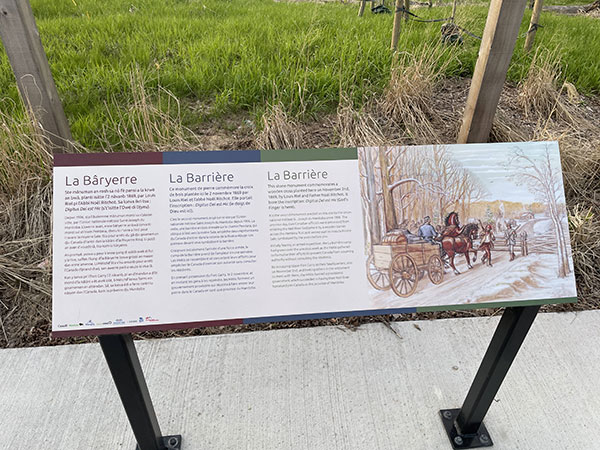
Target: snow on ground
[
  {"x": 542, "y": 226},
  {"x": 526, "y": 278}
]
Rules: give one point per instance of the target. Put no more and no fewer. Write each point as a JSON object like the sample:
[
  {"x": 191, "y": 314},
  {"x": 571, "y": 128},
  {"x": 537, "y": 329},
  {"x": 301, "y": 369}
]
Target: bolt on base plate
[
  {"x": 461, "y": 441},
  {"x": 168, "y": 442}
]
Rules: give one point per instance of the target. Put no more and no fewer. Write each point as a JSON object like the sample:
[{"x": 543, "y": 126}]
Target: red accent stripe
[
  {"x": 140, "y": 328},
  {"x": 106, "y": 159}
]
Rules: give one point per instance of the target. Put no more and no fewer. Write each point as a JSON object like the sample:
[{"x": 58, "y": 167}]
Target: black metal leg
[
  {"x": 464, "y": 426},
  {"x": 124, "y": 364}
]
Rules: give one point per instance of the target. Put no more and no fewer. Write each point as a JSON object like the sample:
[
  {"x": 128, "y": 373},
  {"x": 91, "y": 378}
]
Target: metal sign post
[
  {"x": 465, "y": 425},
  {"x": 124, "y": 364}
]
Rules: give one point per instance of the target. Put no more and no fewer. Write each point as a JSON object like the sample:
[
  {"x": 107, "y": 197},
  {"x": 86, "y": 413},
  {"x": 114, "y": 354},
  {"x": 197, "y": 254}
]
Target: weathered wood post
[
  {"x": 397, "y": 25},
  {"x": 23, "y": 46},
  {"x": 497, "y": 45},
  {"x": 406, "y": 10},
  {"x": 533, "y": 24},
  {"x": 361, "y": 9}
]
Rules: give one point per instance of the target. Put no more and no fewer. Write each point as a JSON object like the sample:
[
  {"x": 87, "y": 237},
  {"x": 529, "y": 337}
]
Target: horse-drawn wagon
[{"x": 398, "y": 264}]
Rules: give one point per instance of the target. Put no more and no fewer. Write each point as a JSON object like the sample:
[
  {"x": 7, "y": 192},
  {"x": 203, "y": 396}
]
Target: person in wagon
[
  {"x": 411, "y": 238},
  {"x": 427, "y": 232}
]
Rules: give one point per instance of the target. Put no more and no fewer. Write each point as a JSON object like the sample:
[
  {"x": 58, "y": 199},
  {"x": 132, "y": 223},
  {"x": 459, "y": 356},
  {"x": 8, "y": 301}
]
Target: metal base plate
[
  {"x": 168, "y": 442},
  {"x": 459, "y": 441}
]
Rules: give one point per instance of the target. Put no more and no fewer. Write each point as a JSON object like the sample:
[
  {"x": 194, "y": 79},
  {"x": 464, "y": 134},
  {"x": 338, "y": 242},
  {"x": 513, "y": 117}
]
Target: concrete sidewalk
[{"x": 314, "y": 388}]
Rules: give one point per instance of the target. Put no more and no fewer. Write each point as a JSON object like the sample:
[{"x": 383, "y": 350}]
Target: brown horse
[{"x": 463, "y": 243}]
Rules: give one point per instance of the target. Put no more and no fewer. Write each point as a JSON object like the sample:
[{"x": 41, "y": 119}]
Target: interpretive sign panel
[{"x": 184, "y": 239}]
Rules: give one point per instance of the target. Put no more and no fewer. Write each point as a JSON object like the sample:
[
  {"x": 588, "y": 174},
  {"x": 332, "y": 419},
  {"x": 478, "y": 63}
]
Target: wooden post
[
  {"x": 397, "y": 26},
  {"x": 535, "y": 20},
  {"x": 361, "y": 10},
  {"x": 23, "y": 46},
  {"x": 406, "y": 10},
  {"x": 495, "y": 53}
]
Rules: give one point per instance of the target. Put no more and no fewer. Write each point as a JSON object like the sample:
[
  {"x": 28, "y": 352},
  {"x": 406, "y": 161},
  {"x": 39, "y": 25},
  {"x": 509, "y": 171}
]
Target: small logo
[
  {"x": 141, "y": 319},
  {"x": 151, "y": 319},
  {"x": 89, "y": 323},
  {"x": 119, "y": 322}
]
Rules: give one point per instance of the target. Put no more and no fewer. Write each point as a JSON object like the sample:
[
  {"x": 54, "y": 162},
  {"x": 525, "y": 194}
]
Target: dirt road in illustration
[{"x": 526, "y": 278}]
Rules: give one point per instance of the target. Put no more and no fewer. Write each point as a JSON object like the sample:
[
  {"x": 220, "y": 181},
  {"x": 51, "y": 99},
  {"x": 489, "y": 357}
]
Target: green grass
[
  {"x": 567, "y": 2},
  {"x": 237, "y": 55}
]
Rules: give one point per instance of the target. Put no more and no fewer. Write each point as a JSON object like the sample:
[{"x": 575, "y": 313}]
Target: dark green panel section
[
  {"x": 312, "y": 154},
  {"x": 549, "y": 301}
]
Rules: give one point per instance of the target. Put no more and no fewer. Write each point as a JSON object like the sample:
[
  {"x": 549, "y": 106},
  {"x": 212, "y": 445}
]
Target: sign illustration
[{"x": 467, "y": 223}]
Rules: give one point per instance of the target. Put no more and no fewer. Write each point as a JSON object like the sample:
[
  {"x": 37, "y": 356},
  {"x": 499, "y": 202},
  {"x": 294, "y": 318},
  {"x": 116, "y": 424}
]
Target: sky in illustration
[{"x": 488, "y": 163}]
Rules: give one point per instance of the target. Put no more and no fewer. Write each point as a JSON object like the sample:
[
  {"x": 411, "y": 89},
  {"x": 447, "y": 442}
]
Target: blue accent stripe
[
  {"x": 207, "y": 157},
  {"x": 330, "y": 315}
]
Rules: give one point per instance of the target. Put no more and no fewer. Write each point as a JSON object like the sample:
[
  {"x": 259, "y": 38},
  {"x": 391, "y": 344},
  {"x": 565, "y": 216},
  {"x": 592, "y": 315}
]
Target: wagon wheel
[
  {"x": 379, "y": 279},
  {"x": 435, "y": 269},
  {"x": 403, "y": 273}
]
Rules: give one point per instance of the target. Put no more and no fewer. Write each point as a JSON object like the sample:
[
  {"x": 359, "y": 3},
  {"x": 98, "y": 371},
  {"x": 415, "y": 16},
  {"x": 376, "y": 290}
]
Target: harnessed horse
[{"x": 462, "y": 243}]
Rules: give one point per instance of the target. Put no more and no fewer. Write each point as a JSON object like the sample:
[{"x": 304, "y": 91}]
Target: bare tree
[
  {"x": 544, "y": 180},
  {"x": 389, "y": 211},
  {"x": 369, "y": 196},
  {"x": 402, "y": 184},
  {"x": 455, "y": 186}
]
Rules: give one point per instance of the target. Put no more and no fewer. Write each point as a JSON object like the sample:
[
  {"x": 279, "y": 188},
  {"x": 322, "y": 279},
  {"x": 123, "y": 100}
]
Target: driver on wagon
[{"x": 426, "y": 231}]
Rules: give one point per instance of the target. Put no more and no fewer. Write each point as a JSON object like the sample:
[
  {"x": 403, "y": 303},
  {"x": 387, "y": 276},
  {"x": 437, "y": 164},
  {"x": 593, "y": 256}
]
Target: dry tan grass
[
  {"x": 25, "y": 212},
  {"x": 24, "y": 154},
  {"x": 581, "y": 165},
  {"x": 150, "y": 124},
  {"x": 504, "y": 128},
  {"x": 407, "y": 99},
  {"x": 541, "y": 94},
  {"x": 357, "y": 127},
  {"x": 580, "y": 157},
  {"x": 279, "y": 130},
  {"x": 404, "y": 114}
]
